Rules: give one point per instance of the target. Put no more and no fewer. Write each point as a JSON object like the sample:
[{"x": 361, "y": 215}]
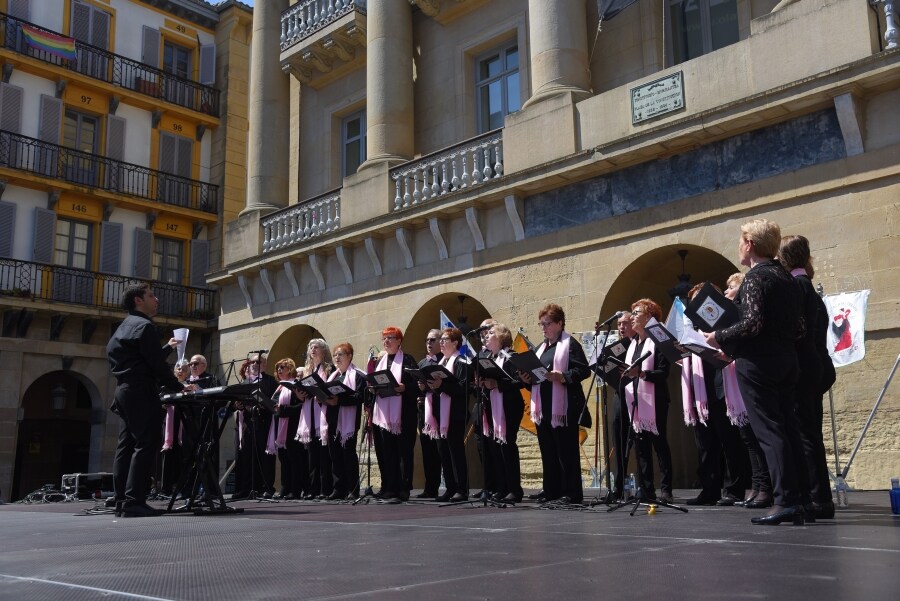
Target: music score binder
[{"x": 710, "y": 310}]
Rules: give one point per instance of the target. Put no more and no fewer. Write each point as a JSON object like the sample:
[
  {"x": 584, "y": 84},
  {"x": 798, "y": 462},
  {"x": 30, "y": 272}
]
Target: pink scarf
[
  {"x": 560, "y": 400},
  {"x": 278, "y": 441},
  {"x": 346, "y": 422},
  {"x": 239, "y": 418},
  {"x": 498, "y": 416},
  {"x": 309, "y": 418},
  {"x": 734, "y": 402},
  {"x": 169, "y": 438},
  {"x": 433, "y": 428},
  {"x": 644, "y": 407},
  {"x": 798, "y": 271},
  {"x": 693, "y": 391},
  {"x": 387, "y": 409}
]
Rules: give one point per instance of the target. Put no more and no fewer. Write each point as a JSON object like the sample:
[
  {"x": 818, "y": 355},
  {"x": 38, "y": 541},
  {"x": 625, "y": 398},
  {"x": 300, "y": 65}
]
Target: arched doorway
[
  {"x": 292, "y": 343},
  {"x": 656, "y": 275},
  {"x": 55, "y": 437}
]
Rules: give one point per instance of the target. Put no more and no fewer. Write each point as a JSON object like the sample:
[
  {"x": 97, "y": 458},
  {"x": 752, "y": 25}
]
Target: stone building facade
[{"x": 486, "y": 157}]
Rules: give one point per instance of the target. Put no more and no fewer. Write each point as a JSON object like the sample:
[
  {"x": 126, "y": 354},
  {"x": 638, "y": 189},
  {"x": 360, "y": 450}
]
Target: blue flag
[{"x": 464, "y": 349}]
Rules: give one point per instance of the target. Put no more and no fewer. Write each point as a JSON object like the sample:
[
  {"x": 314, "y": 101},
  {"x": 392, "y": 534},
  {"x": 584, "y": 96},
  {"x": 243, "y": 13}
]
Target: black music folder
[
  {"x": 611, "y": 360},
  {"x": 383, "y": 381},
  {"x": 528, "y": 362},
  {"x": 433, "y": 371},
  {"x": 711, "y": 310},
  {"x": 488, "y": 368},
  {"x": 315, "y": 386},
  {"x": 676, "y": 349}
]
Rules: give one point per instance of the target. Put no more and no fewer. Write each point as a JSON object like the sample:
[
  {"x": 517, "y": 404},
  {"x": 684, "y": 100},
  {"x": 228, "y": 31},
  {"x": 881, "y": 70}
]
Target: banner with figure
[{"x": 846, "y": 327}]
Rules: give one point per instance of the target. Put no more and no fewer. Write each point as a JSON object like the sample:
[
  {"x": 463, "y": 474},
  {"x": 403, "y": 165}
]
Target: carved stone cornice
[{"x": 429, "y": 7}]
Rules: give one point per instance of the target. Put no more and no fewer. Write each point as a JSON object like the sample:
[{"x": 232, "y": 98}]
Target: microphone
[
  {"x": 261, "y": 351},
  {"x": 639, "y": 360},
  {"x": 481, "y": 329},
  {"x": 614, "y": 317}
]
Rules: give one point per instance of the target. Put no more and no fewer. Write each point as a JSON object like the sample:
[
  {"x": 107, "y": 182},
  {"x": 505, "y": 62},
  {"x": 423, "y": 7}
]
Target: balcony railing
[
  {"x": 309, "y": 16},
  {"x": 302, "y": 221},
  {"x": 112, "y": 68},
  {"x": 86, "y": 169},
  {"x": 472, "y": 163},
  {"x": 28, "y": 280}
]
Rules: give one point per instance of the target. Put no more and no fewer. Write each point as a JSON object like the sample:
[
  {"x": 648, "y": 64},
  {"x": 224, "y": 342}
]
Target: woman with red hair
[
  {"x": 394, "y": 416},
  {"x": 647, "y": 399}
]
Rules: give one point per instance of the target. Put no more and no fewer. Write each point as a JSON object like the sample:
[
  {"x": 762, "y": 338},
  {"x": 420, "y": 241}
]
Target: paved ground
[{"x": 308, "y": 550}]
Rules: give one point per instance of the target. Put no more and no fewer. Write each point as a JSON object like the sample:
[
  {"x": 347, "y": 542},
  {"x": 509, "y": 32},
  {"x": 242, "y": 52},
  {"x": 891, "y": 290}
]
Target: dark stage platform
[{"x": 314, "y": 550}]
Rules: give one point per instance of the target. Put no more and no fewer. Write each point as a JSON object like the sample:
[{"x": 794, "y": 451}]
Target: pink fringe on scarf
[
  {"x": 387, "y": 409},
  {"x": 644, "y": 408},
  {"x": 432, "y": 427},
  {"x": 560, "y": 400},
  {"x": 693, "y": 391},
  {"x": 346, "y": 422},
  {"x": 498, "y": 415},
  {"x": 278, "y": 439},
  {"x": 734, "y": 402}
]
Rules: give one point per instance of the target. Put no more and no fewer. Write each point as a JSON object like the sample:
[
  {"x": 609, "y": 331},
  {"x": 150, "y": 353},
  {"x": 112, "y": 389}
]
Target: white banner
[
  {"x": 846, "y": 327},
  {"x": 181, "y": 334}
]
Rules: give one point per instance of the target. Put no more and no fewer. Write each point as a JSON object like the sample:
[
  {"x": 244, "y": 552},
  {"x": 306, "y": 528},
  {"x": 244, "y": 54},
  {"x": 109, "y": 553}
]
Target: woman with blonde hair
[{"x": 312, "y": 413}]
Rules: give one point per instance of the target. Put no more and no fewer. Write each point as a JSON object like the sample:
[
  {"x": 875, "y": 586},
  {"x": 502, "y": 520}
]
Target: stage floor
[{"x": 315, "y": 550}]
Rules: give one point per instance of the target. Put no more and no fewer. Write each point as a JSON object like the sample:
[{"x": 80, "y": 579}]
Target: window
[
  {"x": 497, "y": 87},
  {"x": 168, "y": 256},
  {"x": 701, "y": 26},
  {"x": 353, "y": 142},
  {"x": 175, "y": 158},
  {"x": 81, "y": 132},
  {"x": 72, "y": 249},
  {"x": 177, "y": 60},
  {"x": 90, "y": 25}
]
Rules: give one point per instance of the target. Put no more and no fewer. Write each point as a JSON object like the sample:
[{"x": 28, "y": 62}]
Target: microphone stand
[
  {"x": 600, "y": 408},
  {"x": 368, "y": 435},
  {"x": 638, "y": 442}
]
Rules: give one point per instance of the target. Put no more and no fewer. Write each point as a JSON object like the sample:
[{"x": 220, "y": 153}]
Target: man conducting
[{"x": 138, "y": 363}]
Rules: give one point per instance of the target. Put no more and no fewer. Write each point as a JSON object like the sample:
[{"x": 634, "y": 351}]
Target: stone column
[
  {"x": 559, "y": 49},
  {"x": 389, "y": 82},
  {"x": 268, "y": 111}
]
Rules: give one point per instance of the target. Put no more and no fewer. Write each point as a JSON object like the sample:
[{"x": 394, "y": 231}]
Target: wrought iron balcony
[
  {"x": 114, "y": 69},
  {"x": 302, "y": 221},
  {"x": 95, "y": 171},
  {"x": 37, "y": 281},
  {"x": 472, "y": 163}
]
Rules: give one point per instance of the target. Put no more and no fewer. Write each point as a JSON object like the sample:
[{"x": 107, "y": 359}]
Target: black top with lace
[{"x": 771, "y": 320}]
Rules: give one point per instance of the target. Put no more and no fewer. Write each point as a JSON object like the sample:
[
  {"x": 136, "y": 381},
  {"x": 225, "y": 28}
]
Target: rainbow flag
[{"x": 51, "y": 43}]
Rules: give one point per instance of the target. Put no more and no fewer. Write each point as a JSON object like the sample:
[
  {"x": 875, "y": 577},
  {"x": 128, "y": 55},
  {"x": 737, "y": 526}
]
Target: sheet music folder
[
  {"x": 488, "y": 368},
  {"x": 690, "y": 343},
  {"x": 528, "y": 362},
  {"x": 612, "y": 358},
  {"x": 432, "y": 371},
  {"x": 383, "y": 381},
  {"x": 314, "y": 385},
  {"x": 710, "y": 310}
]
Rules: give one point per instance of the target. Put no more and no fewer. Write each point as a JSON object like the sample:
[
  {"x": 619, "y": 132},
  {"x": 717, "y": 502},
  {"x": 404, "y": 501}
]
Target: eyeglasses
[
  {"x": 431, "y": 340},
  {"x": 340, "y": 354},
  {"x": 253, "y": 362},
  {"x": 195, "y": 363},
  {"x": 280, "y": 367},
  {"x": 389, "y": 338},
  {"x": 446, "y": 339},
  {"x": 545, "y": 324},
  {"x": 638, "y": 312}
]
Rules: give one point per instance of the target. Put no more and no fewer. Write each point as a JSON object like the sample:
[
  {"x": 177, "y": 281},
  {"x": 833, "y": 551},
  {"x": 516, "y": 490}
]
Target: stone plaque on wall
[{"x": 664, "y": 95}]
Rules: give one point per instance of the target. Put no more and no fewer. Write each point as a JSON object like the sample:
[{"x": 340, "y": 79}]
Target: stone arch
[
  {"x": 292, "y": 344},
  {"x": 652, "y": 275},
  {"x": 61, "y": 430}
]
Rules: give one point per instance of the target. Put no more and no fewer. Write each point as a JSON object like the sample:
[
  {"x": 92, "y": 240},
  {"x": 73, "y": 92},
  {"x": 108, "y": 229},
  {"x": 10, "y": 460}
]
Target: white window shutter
[
  {"x": 51, "y": 119},
  {"x": 143, "y": 253},
  {"x": 208, "y": 64},
  {"x": 150, "y": 50},
  {"x": 7, "y": 228},
  {"x": 11, "y": 108},
  {"x": 19, "y": 9},
  {"x": 44, "y": 235},
  {"x": 199, "y": 262},
  {"x": 111, "y": 247}
]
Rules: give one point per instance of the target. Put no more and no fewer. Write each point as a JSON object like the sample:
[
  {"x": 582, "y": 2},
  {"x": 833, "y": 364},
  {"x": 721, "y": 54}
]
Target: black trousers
[
  {"x": 255, "y": 469},
  {"x": 431, "y": 464},
  {"x": 560, "y": 460},
  {"x": 482, "y": 444},
  {"x": 344, "y": 466},
  {"x": 767, "y": 385},
  {"x": 646, "y": 443},
  {"x": 722, "y": 463},
  {"x": 759, "y": 470},
  {"x": 140, "y": 437},
  {"x": 294, "y": 468},
  {"x": 387, "y": 449},
  {"x": 621, "y": 428},
  {"x": 809, "y": 417},
  {"x": 504, "y": 460},
  {"x": 407, "y": 449},
  {"x": 453, "y": 458}
]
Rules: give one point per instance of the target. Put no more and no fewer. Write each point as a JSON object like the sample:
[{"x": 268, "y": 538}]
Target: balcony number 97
[{"x": 85, "y": 99}]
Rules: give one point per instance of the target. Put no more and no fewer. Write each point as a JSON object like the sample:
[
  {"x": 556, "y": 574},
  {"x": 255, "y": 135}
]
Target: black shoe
[
  {"x": 139, "y": 510},
  {"x": 289, "y": 497},
  {"x": 267, "y": 495},
  {"x": 309, "y": 496},
  {"x": 461, "y": 496},
  {"x": 479, "y": 494},
  {"x": 512, "y": 498},
  {"x": 335, "y": 495},
  {"x": 751, "y": 496},
  {"x": 391, "y": 499},
  {"x": 537, "y": 495},
  {"x": 809, "y": 513},
  {"x": 443, "y": 498},
  {"x": 111, "y": 503},
  {"x": 780, "y": 514},
  {"x": 761, "y": 501},
  {"x": 701, "y": 500},
  {"x": 426, "y": 495},
  {"x": 823, "y": 511},
  {"x": 728, "y": 500},
  {"x": 666, "y": 497}
]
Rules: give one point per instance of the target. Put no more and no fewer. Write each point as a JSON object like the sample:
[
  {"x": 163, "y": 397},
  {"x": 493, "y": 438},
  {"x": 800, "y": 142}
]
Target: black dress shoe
[
  {"x": 289, "y": 497},
  {"x": 728, "y": 500},
  {"x": 443, "y": 498},
  {"x": 823, "y": 511},
  {"x": 460, "y": 496},
  {"x": 512, "y": 498},
  {"x": 112, "y": 503},
  {"x": 392, "y": 499},
  {"x": 761, "y": 501},
  {"x": 335, "y": 495},
  {"x": 267, "y": 495},
  {"x": 780, "y": 514},
  {"x": 701, "y": 500},
  {"x": 309, "y": 496},
  {"x": 426, "y": 495},
  {"x": 139, "y": 510},
  {"x": 809, "y": 513},
  {"x": 535, "y": 496},
  {"x": 750, "y": 497}
]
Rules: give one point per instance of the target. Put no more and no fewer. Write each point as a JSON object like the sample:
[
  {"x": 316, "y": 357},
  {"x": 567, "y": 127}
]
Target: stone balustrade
[
  {"x": 465, "y": 165},
  {"x": 301, "y": 222},
  {"x": 309, "y": 16}
]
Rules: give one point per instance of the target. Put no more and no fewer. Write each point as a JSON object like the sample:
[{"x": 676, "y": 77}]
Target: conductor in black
[{"x": 138, "y": 363}]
